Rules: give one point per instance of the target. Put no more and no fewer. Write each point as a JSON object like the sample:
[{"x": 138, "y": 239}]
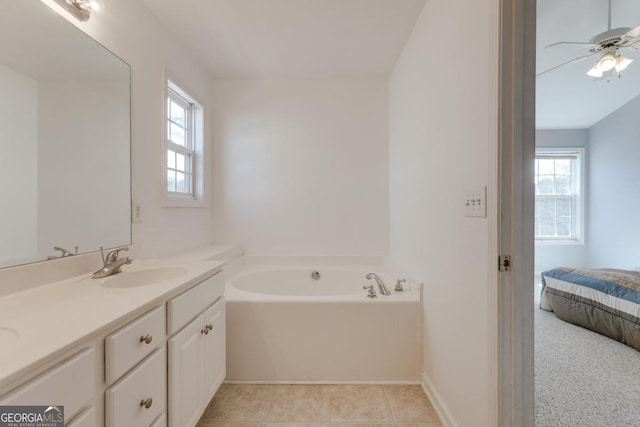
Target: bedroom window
[
  {"x": 559, "y": 195},
  {"x": 183, "y": 149}
]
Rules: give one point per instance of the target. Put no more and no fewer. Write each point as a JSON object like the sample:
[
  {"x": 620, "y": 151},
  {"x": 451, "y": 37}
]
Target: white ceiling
[
  {"x": 567, "y": 97},
  {"x": 292, "y": 38}
]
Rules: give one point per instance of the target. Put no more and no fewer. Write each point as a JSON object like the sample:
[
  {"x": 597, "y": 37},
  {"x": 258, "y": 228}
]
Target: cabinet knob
[
  {"x": 146, "y": 403},
  {"x": 205, "y": 331},
  {"x": 146, "y": 339},
  {"x": 210, "y": 326}
]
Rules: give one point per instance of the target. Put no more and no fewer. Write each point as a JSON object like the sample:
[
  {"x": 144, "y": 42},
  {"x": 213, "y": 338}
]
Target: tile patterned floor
[{"x": 288, "y": 405}]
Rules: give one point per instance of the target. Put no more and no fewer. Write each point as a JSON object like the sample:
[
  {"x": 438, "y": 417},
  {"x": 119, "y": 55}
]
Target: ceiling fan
[{"x": 607, "y": 45}]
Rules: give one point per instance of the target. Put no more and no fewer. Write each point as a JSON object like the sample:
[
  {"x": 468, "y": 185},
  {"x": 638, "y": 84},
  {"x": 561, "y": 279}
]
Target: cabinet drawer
[
  {"x": 184, "y": 307},
  {"x": 71, "y": 384},
  {"x": 132, "y": 343},
  {"x": 124, "y": 401},
  {"x": 86, "y": 419}
]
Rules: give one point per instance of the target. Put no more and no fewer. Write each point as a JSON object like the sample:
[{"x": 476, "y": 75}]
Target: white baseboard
[
  {"x": 438, "y": 403},
  {"x": 322, "y": 382}
]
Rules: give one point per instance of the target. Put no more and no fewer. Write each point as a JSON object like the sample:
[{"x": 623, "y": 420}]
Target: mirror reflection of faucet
[
  {"x": 64, "y": 253},
  {"x": 111, "y": 263}
]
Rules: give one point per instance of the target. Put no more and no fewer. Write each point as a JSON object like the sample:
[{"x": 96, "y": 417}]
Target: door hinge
[{"x": 504, "y": 263}]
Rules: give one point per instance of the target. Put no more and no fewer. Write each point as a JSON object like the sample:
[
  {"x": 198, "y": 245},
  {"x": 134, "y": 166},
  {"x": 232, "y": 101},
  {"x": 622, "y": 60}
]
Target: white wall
[
  {"x": 614, "y": 203},
  {"x": 129, "y": 30},
  {"x": 443, "y": 127},
  {"x": 81, "y": 143},
  {"x": 548, "y": 256},
  {"x": 301, "y": 166},
  {"x": 18, "y": 165}
]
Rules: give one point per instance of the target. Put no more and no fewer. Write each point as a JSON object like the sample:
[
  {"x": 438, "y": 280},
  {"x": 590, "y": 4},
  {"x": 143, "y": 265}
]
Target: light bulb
[
  {"x": 595, "y": 71},
  {"x": 622, "y": 62},
  {"x": 607, "y": 62}
]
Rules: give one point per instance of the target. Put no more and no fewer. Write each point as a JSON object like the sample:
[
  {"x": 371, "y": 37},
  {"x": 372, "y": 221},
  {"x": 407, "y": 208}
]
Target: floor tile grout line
[
  {"x": 273, "y": 395},
  {"x": 330, "y": 402},
  {"x": 386, "y": 401}
]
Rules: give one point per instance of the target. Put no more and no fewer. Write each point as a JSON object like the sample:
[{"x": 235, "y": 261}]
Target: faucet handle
[
  {"x": 399, "y": 283},
  {"x": 65, "y": 253},
  {"x": 113, "y": 255},
  {"x": 372, "y": 292}
]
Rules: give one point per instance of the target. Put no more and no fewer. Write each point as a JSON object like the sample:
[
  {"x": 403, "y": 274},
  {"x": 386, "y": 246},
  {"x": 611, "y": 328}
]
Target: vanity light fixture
[{"x": 81, "y": 9}]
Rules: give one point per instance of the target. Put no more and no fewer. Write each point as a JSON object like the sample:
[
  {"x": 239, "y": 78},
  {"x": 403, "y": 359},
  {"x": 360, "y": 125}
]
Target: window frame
[
  {"x": 194, "y": 145},
  {"x": 578, "y": 196}
]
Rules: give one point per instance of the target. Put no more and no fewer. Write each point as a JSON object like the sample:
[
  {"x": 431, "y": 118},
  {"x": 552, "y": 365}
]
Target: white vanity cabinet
[
  {"x": 114, "y": 372},
  {"x": 197, "y": 353}
]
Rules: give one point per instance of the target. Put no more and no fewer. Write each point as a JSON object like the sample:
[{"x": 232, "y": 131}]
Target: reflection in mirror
[{"x": 64, "y": 139}]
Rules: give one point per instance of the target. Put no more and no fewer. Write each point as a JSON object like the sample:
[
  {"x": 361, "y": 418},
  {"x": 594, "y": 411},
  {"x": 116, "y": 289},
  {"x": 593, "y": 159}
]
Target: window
[
  {"x": 559, "y": 199},
  {"x": 179, "y": 144},
  {"x": 183, "y": 149}
]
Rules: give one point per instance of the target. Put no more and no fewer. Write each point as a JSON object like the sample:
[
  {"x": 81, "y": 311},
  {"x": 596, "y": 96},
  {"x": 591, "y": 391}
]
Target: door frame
[{"x": 516, "y": 212}]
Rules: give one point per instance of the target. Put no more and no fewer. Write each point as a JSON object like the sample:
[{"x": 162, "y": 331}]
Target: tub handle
[{"x": 372, "y": 292}]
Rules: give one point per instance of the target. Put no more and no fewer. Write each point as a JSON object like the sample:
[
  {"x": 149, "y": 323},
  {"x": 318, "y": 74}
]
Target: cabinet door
[
  {"x": 214, "y": 366},
  {"x": 185, "y": 350}
]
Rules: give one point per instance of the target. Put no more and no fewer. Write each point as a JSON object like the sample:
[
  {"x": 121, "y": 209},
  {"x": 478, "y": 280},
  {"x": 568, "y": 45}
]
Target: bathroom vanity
[{"x": 145, "y": 347}]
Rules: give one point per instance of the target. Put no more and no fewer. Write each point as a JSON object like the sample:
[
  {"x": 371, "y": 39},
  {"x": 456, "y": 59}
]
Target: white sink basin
[{"x": 147, "y": 276}]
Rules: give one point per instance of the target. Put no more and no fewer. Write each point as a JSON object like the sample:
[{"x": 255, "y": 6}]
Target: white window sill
[
  {"x": 559, "y": 242},
  {"x": 182, "y": 202}
]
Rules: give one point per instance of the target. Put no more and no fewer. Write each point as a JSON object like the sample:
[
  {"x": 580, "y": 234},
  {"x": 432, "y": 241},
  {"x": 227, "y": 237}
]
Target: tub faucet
[
  {"x": 383, "y": 289},
  {"x": 111, "y": 263}
]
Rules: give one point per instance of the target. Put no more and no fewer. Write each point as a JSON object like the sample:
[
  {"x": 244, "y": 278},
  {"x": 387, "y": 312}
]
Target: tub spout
[{"x": 381, "y": 286}]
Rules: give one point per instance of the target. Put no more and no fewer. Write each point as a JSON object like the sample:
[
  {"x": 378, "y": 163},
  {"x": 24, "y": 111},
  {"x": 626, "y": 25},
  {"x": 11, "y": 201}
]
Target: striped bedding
[{"x": 606, "y": 301}]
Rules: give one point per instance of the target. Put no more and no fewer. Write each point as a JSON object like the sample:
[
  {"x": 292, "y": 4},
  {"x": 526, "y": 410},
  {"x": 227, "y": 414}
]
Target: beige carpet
[{"x": 583, "y": 379}]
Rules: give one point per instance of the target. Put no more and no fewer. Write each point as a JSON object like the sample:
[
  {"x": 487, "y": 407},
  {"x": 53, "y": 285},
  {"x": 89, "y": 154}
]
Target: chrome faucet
[
  {"x": 383, "y": 289},
  {"x": 65, "y": 253},
  {"x": 111, "y": 263}
]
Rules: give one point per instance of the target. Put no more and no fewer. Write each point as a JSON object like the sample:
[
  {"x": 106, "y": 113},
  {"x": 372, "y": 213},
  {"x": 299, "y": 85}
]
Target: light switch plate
[
  {"x": 136, "y": 212},
  {"x": 475, "y": 202}
]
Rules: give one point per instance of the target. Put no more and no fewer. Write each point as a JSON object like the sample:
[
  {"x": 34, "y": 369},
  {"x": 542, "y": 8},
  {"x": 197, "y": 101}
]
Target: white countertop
[{"x": 46, "y": 321}]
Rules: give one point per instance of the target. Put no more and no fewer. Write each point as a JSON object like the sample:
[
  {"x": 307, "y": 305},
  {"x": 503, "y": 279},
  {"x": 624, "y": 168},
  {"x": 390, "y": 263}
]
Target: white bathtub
[{"x": 283, "y": 326}]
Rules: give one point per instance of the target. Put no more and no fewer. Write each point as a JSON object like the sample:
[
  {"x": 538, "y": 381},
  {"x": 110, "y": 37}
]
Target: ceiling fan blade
[
  {"x": 634, "y": 32},
  {"x": 578, "y": 59},
  {"x": 559, "y": 43}
]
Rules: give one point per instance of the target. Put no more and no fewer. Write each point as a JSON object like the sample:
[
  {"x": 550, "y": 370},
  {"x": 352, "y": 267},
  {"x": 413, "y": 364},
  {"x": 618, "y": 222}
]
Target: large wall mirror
[{"x": 64, "y": 138}]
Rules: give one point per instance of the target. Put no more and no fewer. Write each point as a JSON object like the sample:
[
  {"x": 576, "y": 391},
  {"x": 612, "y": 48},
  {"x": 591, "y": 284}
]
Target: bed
[{"x": 606, "y": 301}]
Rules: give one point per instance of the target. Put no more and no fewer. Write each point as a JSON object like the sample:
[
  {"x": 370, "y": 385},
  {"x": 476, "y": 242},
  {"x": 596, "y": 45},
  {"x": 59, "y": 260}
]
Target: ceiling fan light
[
  {"x": 622, "y": 62},
  {"x": 595, "y": 71},
  {"x": 607, "y": 62}
]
